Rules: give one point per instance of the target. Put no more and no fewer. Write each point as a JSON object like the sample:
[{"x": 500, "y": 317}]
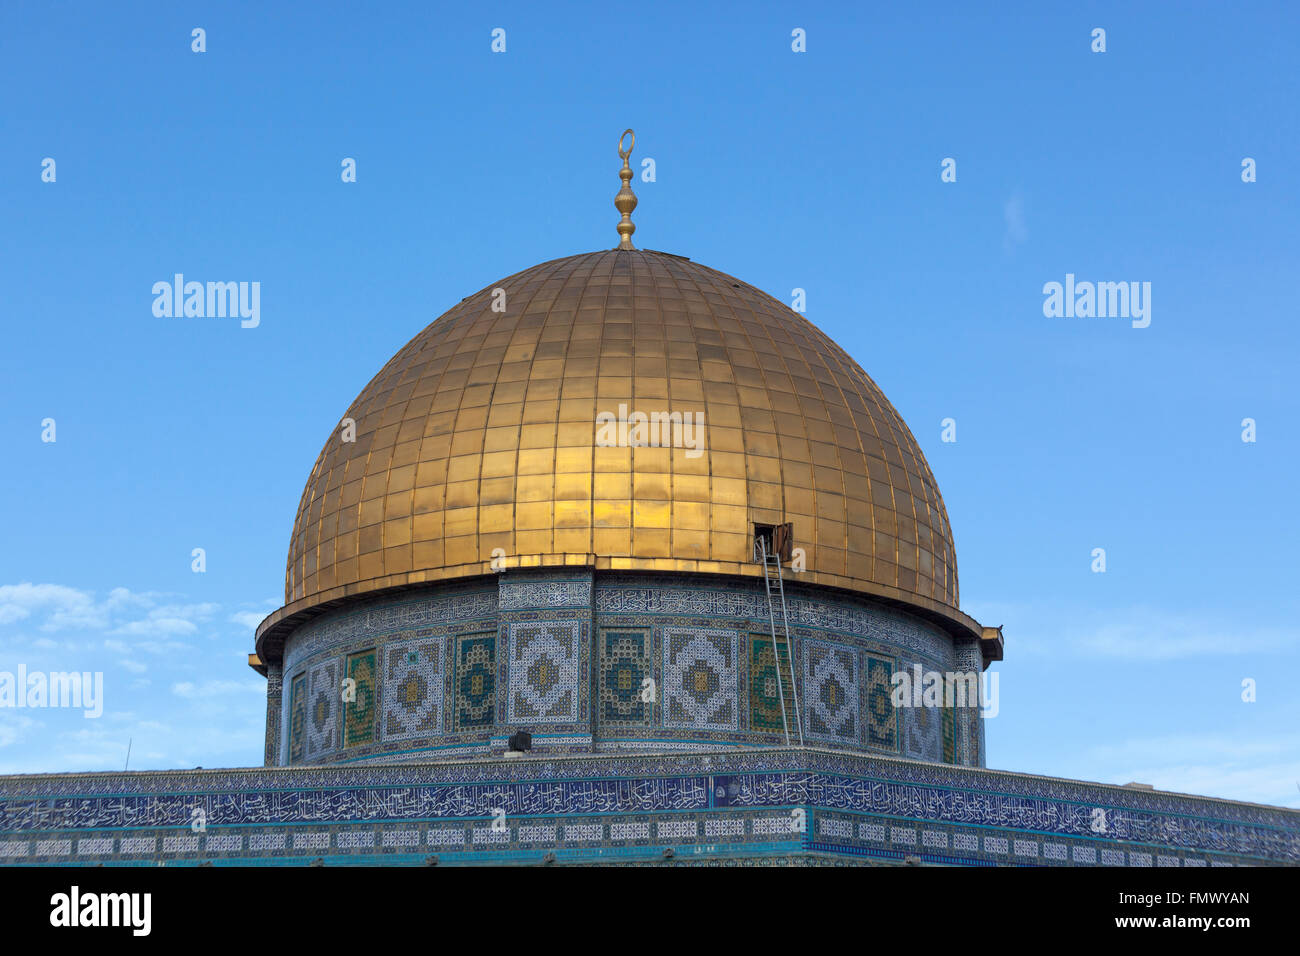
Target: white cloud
[
  {"x": 1193, "y": 747},
  {"x": 121, "y": 612},
  {"x": 248, "y": 619},
  {"x": 1135, "y": 633},
  {"x": 13, "y": 726},
  {"x": 1228, "y": 766},
  {"x": 1147, "y": 636},
  {"x": 169, "y": 620},
  {"x": 217, "y": 688},
  {"x": 19, "y": 601}
]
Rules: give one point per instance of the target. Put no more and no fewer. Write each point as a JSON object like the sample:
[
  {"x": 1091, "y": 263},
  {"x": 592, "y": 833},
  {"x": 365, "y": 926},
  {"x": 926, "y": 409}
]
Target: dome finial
[{"x": 625, "y": 201}]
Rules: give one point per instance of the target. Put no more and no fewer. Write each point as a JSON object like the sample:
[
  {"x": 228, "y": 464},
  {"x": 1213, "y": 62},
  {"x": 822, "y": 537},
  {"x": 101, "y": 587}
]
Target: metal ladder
[{"x": 772, "y": 571}]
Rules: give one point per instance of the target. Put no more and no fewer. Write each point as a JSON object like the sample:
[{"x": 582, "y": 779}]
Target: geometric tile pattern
[
  {"x": 924, "y": 732},
  {"x": 544, "y": 668},
  {"x": 948, "y": 815},
  {"x": 881, "y": 715},
  {"x": 298, "y": 719},
  {"x": 275, "y": 704},
  {"x": 359, "y": 705},
  {"x": 476, "y": 660},
  {"x": 323, "y": 695},
  {"x": 949, "y": 735},
  {"x": 644, "y": 606},
  {"x": 967, "y": 658},
  {"x": 771, "y": 698},
  {"x": 700, "y": 679},
  {"x": 624, "y": 668},
  {"x": 412, "y": 696},
  {"x": 830, "y": 698},
  {"x": 353, "y": 629},
  {"x": 665, "y": 594}
]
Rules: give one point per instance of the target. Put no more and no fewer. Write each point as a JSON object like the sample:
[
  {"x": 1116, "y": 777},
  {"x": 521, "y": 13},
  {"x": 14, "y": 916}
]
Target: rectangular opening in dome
[{"x": 775, "y": 539}]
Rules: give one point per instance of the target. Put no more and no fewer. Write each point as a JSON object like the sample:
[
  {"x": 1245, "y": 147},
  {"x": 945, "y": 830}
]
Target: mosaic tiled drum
[{"x": 591, "y": 661}]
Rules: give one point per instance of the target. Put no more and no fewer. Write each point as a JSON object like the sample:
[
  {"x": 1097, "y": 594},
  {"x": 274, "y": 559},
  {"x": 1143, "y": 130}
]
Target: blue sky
[{"x": 818, "y": 170}]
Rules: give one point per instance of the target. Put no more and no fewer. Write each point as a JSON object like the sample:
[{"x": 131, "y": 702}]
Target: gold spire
[{"x": 625, "y": 201}]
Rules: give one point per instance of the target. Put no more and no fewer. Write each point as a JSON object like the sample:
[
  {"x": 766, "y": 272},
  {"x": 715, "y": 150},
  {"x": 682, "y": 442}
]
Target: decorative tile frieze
[
  {"x": 376, "y": 618},
  {"x": 359, "y": 700},
  {"x": 881, "y": 716},
  {"x": 700, "y": 678},
  {"x": 324, "y": 694},
  {"x": 640, "y": 803},
  {"x": 830, "y": 699},
  {"x": 297, "y": 721},
  {"x": 626, "y": 699},
  {"x": 528, "y": 594},
  {"x": 412, "y": 692},
  {"x": 475, "y": 681},
  {"x": 771, "y": 691},
  {"x": 544, "y": 670}
]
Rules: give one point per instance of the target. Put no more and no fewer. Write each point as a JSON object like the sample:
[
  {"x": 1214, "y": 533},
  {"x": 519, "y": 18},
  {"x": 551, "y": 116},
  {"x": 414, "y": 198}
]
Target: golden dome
[{"x": 480, "y": 436}]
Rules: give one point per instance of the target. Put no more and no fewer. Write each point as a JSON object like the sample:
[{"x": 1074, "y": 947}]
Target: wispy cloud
[
  {"x": 1153, "y": 636},
  {"x": 217, "y": 688},
  {"x": 201, "y": 706},
  {"x": 1260, "y": 769},
  {"x": 248, "y": 619},
  {"x": 1134, "y": 633},
  {"x": 1196, "y": 747},
  {"x": 13, "y": 726},
  {"x": 168, "y": 620},
  {"x": 56, "y": 607},
  {"x": 254, "y": 613}
]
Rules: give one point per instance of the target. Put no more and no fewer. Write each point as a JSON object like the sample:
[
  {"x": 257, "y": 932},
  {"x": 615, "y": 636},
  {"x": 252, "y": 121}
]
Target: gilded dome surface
[{"x": 481, "y": 438}]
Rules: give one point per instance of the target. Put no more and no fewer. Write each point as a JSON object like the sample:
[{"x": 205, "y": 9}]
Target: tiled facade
[
  {"x": 739, "y": 806},
  {"x": 606, "y": 661}
]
